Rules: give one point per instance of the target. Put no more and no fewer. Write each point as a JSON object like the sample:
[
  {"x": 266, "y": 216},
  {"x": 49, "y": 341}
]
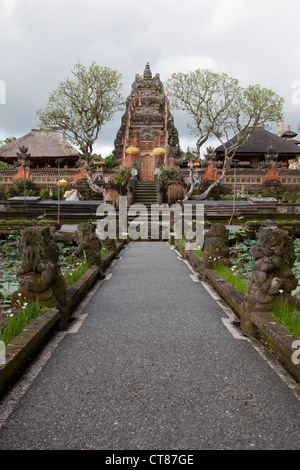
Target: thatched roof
[
  {"x": 261, "y": 140},
  {"x": 40, "y": 144}
]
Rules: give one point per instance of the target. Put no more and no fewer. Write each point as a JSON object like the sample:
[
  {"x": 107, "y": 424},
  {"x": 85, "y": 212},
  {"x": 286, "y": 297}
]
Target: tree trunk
[
  {"x": 190, "y": 191},
  {"x": 208, "y": 190},
  {"x": 94, "y": 187},
  {"x": 212, "y": 185}
]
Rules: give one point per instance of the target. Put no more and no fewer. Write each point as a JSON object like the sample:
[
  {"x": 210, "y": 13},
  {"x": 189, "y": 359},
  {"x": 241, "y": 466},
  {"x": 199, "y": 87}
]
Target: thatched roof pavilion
[
  {"x": 253, "y": 152},
  {"x": 44, "y": 148}
]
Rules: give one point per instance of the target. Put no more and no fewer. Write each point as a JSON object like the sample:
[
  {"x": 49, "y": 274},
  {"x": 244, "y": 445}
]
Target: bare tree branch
[
  {"x": 80, "y": 106},
  {"x": 219, "y": 107}
]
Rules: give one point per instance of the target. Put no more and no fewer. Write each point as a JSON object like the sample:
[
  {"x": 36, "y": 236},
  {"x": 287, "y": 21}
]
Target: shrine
[{"x": 147, "y": 137}]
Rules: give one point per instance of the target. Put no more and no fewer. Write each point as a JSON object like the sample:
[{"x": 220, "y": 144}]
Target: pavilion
[
  {"x": 253, "y": 153},
  {"x": 43, "y": 147}
]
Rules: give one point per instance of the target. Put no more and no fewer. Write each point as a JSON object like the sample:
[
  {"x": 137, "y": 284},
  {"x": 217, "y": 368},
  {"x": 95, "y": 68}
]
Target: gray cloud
[{"x": 255, "y": 41}]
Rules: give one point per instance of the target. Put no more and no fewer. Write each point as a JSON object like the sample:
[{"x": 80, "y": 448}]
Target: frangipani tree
[
  {"x": 81, "y": 105},
  {"x": 219, "y": 107}
]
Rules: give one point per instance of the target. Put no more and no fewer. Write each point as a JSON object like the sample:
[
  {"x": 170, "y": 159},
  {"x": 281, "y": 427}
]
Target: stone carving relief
[
  {"x": 22, "y": 156},
  {"x": 271, "y": 158},
  {"x": 88, "y": 244},
  {"x": 216, "y": 246},
  {"x": 147, "y": 133},
  {"x": 272, "y": 277},
  {"x": 39, "y": 273}
]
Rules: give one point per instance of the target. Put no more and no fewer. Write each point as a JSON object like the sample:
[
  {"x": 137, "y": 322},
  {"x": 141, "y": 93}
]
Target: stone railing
[{"x": 251, "y": 176}]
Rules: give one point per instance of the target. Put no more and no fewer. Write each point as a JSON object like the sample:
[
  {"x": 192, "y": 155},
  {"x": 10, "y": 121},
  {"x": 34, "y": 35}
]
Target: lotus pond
[
  {"x": 241, "y": 258},
  {"x": 10, "y": 260},
  {"x": 242, "y": 261}
]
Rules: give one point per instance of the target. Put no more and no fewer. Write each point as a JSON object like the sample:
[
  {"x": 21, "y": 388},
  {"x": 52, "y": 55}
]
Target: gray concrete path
[{"x": 152, "y": 365}]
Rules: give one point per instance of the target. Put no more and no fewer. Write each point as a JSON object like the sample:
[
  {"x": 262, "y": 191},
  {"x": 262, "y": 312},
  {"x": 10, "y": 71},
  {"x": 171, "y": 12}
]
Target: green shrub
[
  {"x": 199, "y": 253},
  {"x": 110, "y": 162},
  {"x": 120, "y": 180},
  {"x": 45, "y": 193},
  {"x": 18, "y": 186}
]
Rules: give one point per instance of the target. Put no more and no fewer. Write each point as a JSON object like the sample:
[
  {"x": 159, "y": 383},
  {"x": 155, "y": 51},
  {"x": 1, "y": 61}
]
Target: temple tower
[{"x": 147, "y": 136}]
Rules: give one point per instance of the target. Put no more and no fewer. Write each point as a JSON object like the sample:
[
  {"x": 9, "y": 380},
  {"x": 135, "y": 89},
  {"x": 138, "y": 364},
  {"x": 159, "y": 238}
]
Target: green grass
[
  {"x": 17, "y": 323},
  {"x": 287, "y": 316},
  {"x": 231, "y": 277},
  {"x": 199, "y": 253},
  {"x": 27, "y": 221},
  {"x": 77, "y": 273}
]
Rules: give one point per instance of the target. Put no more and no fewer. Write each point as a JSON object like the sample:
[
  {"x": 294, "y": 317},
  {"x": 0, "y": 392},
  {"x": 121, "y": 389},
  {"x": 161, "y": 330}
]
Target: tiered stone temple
[{"x": 147, "y": 137}]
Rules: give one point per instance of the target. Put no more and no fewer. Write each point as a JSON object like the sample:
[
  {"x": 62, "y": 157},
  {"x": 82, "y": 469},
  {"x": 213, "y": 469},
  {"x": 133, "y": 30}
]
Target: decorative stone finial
[
  {"x": 271, "y": 158},
  {"x": 147, "y": 72},
  {"x": 22, "y": 156},
  {"x": 209, "y": 156}
]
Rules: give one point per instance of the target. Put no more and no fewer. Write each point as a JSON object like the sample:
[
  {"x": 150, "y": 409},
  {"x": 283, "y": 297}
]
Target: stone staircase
[{"x": 145, "y": 193}]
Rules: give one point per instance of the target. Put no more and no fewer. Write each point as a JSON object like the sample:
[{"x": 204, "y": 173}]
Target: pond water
[{"x": 10, "y": 260}]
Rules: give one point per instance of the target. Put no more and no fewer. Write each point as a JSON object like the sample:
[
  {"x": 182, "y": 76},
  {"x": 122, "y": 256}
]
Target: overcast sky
[{"x": 256, "y": 41}]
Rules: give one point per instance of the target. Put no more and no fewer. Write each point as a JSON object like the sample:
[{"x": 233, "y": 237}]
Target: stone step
[
  {"x": 146, "y": 201},
  {"x": 146, "y": 204},
  {"x": 146, "y": 187},
  {"x": 146, "y": 182},
  {"x": 145, "y": 191},
  {"x": 145, "y": 197}
]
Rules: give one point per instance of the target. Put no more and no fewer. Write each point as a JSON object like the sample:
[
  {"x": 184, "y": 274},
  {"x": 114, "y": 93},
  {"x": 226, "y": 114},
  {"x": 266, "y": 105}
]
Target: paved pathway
[{"x": 151, "y": 365}]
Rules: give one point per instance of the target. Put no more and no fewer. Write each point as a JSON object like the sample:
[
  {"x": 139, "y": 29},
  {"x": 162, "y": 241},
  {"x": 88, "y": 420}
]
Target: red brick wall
[
  {"x": 272, "y": 174},
  {"x": 210, "y": 173}
]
